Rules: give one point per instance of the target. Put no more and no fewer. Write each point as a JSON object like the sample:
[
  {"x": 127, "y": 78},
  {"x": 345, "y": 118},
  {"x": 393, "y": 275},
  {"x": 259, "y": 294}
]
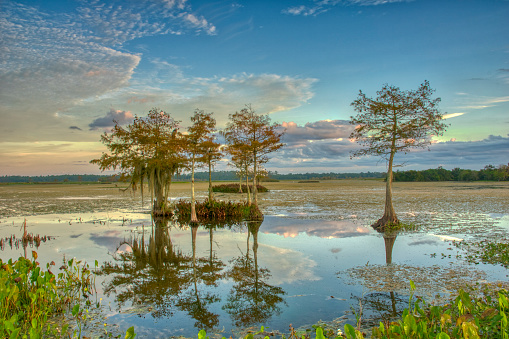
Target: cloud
[
  {"x": 452, "y": 115},
  {"x": 319, "y": 130},
  {"x": 481, "y": 102},
  {"x": 322, "y": 6},
  {"x": 121, "y": 117},
  {"x": 75, "y": 128},
  {"x": 179, "y": 94},
  {"x": 316, "y": 148},
  {"x": 62, "y": 61},
  {"x": 116, "y": 22}
]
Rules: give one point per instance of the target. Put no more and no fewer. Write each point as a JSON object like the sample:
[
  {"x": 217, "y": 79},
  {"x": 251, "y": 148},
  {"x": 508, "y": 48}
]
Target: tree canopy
[
  {"x": 150, "y": 147},
  {"x": 200, "y": 140},
  {"x": 251, "y": 134},
  {"x": 395, "y": 121}
]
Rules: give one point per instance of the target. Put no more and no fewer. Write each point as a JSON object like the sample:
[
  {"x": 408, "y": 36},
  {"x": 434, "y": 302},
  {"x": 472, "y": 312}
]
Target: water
[{"x": 300, "y": 266}]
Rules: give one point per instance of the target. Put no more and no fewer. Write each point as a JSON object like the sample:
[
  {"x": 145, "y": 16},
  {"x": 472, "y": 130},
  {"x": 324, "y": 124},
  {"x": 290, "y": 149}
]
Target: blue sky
[{"x": 68, "y": 68}]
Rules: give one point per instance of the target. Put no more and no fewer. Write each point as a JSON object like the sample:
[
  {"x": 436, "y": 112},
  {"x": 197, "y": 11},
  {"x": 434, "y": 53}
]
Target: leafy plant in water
[{"x": 466, "y": 316}]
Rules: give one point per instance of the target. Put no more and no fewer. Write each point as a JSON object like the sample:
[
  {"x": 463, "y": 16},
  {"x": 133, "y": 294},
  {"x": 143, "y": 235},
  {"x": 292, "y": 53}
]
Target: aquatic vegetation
[
  {"x": 495, "y": 252},
  {"x": 217, "y": 211},
  {"x": 465, "y": 316}
]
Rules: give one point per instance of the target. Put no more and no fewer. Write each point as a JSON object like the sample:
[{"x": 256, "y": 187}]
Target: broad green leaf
[{"x": 129, "y": 334}]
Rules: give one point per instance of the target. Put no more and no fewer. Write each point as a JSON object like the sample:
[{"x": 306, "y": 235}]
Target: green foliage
[
  {"x": 149, "y": 148},
  {"x": 401, "y": 226},
  {"x": 467, "y": 316},
  {"x": 216, "y": 211},
  {"x": 130, "y": 333},
  {"x": 234, "y": 188},
  {"x": 29, "y": 296}
]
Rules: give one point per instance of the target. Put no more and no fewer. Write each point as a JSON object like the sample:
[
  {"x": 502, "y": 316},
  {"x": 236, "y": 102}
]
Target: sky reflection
[{"x": 290, "y": 228}]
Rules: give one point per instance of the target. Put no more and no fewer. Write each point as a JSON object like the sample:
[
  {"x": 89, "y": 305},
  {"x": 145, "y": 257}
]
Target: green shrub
[
  {"x": 214, "y": 211},
  {"x": 234, "y": 188}
]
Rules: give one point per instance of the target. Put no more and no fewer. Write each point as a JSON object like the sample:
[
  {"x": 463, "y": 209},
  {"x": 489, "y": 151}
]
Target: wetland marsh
[{"x": 312, "y": 258}]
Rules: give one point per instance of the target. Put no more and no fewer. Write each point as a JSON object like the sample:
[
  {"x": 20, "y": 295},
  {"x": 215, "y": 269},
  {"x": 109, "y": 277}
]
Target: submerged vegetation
[{"x": 486, "y": 251}]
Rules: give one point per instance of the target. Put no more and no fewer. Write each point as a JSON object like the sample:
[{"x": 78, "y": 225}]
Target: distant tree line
[
  {"x": 64, "y": 178},
  {"x": 232, "y": 175},
  {"x": 488, "y": 173},
  {"x": 199, "y": 176},
  {"x": 326, "y": 176}
]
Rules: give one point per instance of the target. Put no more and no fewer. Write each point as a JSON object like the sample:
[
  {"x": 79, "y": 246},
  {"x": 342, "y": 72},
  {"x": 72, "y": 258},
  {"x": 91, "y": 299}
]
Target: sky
[{"x": 69, "y": 68}]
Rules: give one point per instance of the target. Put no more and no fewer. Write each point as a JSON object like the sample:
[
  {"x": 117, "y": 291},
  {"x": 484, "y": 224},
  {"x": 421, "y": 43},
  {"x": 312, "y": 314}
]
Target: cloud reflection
[{"x": 290, "y": 228}]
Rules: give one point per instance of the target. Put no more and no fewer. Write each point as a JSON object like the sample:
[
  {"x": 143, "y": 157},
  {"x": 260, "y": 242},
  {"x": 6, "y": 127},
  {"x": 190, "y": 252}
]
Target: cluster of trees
[
  {"x": 488, "y": 173},
  {"x": 153, "y": 149},
  {"x": 250, "y": 138}
]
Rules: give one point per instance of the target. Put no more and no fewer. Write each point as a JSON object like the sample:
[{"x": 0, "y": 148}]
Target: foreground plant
[
  {"x": 467, "y": 316},
  {"x": 29, "y": 296}
]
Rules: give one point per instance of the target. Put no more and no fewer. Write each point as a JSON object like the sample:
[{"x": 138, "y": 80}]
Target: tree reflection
[
  {"x": 207, "y": 271},
  {"x": 157, "y": 278},
  {"x": 384, "y": 306},
  {"x": 252, "y": 300}
]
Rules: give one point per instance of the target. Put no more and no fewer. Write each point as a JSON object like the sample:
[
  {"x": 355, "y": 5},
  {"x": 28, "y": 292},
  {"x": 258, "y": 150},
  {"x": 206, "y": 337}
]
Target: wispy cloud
[
  {"x": 180, "y": 94},
  {"x": 477, "y": 102},
  {"x": 321, "y": 6},
  {"x": 61, "y": 61},
  {"x": 119, "y": 21},
  {"x": 452, "y": 115}
]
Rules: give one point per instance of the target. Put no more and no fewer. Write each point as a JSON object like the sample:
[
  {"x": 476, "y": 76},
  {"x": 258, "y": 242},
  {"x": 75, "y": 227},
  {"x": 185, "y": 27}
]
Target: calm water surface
[{"x": 294, "y": 267}]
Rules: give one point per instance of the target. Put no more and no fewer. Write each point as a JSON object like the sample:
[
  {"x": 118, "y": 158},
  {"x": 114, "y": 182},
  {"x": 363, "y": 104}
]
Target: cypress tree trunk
[
  {"x": 211, "y": 194},
  {"x": 389, "y": 217},
  {"x": 248, "y": 190},
  {"x": 158, "y": 190},
  {"x": 255, "y": 189},
  {"x": 193, "y": 202}
]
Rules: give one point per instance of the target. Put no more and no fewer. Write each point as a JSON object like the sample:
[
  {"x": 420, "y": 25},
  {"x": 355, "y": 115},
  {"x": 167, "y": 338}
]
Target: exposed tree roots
[{"x": 385, "y": 222}]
